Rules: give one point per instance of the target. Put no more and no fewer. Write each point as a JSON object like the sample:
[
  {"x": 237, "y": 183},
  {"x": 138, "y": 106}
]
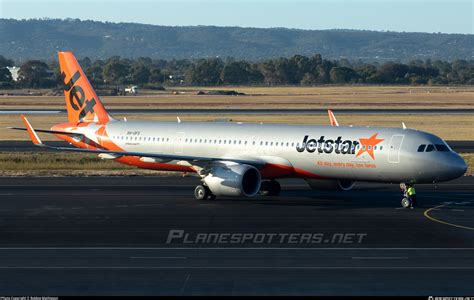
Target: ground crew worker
[{"x": 411, "y": 194}]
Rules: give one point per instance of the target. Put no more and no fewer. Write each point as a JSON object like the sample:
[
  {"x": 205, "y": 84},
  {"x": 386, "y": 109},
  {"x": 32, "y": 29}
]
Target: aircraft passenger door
[
  {"x": 178, "y": 142},
  {"x": 394, "y": 149}
]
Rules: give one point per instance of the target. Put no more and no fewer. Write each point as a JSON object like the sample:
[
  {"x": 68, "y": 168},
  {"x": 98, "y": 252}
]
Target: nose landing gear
[
  {"x": 406, "y": 203},
  {"x": 409, "y": 195}
]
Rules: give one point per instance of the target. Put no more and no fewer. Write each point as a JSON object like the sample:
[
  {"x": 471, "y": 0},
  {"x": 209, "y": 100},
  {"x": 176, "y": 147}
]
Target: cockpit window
[
  {"x": 442, "y": 148},
  {"x": 421, "y": 148},
  {"x": 430, "y": 148}
]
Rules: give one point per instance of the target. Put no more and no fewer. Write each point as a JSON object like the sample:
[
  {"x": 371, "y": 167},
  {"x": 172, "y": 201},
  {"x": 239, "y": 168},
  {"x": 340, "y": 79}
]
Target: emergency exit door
[
  {"x": 178, "y": 142},
  {"x": 394, "y": 148}
]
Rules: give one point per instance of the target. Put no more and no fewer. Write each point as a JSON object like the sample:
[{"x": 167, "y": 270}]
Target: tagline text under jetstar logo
[{"x": 339, "y": 146}]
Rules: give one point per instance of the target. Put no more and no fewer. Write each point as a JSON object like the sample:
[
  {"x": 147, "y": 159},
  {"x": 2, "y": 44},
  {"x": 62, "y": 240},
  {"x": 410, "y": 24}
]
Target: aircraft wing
[{"x": 192, "y": 159}]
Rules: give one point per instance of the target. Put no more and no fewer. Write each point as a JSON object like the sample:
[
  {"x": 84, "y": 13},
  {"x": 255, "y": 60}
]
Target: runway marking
[
  {"x": 426, "y": 214},
  {"x": 379, "y": 257},
  {"x": 228, "y": 248},
  {"x": 443, "y": 197},
  {"x": 95, "y": 186},
  {"x": 88, "y": 194},
  {"x": 184, "y": 283},
  {"x": 253, "y": 267},
  {"x": 158, "y": 257}
]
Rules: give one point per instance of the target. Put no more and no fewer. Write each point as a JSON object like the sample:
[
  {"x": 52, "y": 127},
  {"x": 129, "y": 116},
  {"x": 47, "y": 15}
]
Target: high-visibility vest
[{"x": 411, "y": 191}]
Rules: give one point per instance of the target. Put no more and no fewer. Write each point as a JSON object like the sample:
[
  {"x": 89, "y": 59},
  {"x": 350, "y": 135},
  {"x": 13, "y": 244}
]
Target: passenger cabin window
[
  {"x": 430, "y": 148},
  {"x": 421, "y": 148},
  {"x": 442, "y": 148}
]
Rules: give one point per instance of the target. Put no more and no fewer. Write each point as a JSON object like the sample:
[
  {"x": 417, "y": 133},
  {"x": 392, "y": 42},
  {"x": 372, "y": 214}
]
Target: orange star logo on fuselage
[{"x": 367, "y": 145}]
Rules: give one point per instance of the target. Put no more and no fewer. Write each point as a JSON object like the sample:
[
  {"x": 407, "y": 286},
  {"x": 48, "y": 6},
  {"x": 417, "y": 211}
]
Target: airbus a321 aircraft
[{"x": 236, "y": 159}]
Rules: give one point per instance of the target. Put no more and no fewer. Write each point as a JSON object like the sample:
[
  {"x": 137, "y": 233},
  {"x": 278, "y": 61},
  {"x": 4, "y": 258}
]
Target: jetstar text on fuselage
[{"x": 321, "y": 145}]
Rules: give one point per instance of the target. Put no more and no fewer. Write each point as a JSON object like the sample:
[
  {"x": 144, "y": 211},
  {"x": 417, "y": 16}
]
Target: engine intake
[{"x": 234, "y": 180}]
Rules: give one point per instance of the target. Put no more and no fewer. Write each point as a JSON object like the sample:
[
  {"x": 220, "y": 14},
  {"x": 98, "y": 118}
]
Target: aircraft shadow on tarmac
[{"x": 333, "y": 200}]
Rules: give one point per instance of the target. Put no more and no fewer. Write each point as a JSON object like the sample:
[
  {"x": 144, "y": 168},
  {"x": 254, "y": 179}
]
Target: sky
[{"x": 381, "y": 15}]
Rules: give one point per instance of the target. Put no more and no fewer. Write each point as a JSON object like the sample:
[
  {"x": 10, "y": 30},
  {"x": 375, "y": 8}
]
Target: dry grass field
[
  {"x": 449, "y": 127},
  {"x": 361, "y": 97}
]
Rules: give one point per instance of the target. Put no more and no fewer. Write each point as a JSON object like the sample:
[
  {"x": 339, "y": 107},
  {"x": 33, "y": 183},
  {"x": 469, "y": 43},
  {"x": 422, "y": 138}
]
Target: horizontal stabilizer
[{"x": 47, "y": 131}]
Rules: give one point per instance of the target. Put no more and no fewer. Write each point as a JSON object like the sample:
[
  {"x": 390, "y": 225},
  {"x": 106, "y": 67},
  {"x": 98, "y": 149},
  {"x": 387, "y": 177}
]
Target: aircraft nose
[
  {"x": 457, "y": 167},
  {"x": 462, "y": 166}
]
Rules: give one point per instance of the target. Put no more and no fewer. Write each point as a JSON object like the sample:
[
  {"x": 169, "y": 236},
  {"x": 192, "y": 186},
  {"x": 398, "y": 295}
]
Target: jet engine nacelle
[
  {"x": 233, "y": 180},
  {"x": 332, "y": 184}
]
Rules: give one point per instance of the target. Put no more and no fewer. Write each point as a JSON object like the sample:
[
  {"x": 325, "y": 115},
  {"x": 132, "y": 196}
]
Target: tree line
[{"x": 296, "y": 70}]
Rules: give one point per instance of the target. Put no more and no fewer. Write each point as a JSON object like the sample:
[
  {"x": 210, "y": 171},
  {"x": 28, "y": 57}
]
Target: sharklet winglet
[
  {"x": 332, "y": 118},
  {"x": 34, "y": 137}
]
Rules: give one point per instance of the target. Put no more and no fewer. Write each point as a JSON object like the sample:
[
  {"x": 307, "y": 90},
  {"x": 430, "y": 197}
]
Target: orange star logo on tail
[{"x": 367, "y": 145}]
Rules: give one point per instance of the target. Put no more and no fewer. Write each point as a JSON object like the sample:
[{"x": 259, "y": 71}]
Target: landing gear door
[
  {"x": 178, "y": 142},
  {"x": 394, "y": 149}
]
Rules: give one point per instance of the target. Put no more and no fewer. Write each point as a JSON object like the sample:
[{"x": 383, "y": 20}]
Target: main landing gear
[
  {"x": 202, "y": 192},
  {"x": 270, "y": 188},
  {"x": 267, "y": 188}
]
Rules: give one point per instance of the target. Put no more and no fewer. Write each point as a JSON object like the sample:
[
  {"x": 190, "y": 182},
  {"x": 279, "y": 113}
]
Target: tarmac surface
[
  {"x": 244, "y": 111},
  {"x": 149, "y": 236}
]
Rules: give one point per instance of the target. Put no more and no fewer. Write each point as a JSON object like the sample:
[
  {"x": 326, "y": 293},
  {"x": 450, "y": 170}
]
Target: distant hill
[{"x": 40, "y": 39}]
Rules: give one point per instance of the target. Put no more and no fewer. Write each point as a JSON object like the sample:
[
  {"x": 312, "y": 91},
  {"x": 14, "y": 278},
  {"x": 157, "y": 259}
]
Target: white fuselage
[{"x": 329, "y": 152}]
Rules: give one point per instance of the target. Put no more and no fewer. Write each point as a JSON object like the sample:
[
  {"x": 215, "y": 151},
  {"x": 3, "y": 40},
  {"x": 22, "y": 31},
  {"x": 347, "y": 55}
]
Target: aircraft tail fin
[{"x": 82, "y": 103}]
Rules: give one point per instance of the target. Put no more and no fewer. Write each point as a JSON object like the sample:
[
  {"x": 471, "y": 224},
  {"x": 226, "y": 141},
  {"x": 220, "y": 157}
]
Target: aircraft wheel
[
  {"x": 405, "y": 203},
  {"x": 275, "y": 188},
  {"x": 201, "y": 193},
  {"x": 265, "y": 188},
  {"x": 270, "y": 188}
]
